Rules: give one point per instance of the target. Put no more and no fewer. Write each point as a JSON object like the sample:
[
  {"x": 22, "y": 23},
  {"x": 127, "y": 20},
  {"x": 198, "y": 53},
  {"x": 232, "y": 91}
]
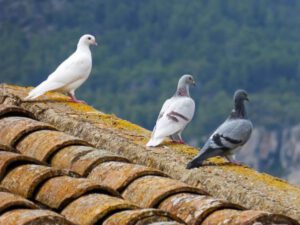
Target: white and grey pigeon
[
  {"x": 230, "y": 136},
  {"x": 175, "y": 114},
  {"x": 71, "y": 73}
]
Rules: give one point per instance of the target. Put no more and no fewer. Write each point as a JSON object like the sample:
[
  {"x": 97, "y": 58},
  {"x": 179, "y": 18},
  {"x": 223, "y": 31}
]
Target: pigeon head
[
  {"x": 239, "y": 110},
  {"x": 186, "y": 80},
  {"x": 183, "y": 85},
  {"x": 87, "y": 40},
  {"x": 240, "y": 96}
]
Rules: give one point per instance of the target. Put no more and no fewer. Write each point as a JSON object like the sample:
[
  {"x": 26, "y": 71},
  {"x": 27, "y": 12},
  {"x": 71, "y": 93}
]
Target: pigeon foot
[{"x": 74, "y": 99}]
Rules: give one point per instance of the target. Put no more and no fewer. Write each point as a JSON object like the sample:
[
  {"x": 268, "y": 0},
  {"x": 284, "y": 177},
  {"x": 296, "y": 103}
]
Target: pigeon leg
[
  {"x": 181, "y": 141},
  {"x": 176, "y": 138},
  {"x": 74, "y": 99},
  {"x": 231, "y": 159}
]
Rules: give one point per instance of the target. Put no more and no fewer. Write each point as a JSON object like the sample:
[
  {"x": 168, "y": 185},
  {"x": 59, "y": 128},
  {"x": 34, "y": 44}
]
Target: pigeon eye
[{"x": 89, "y": 38}]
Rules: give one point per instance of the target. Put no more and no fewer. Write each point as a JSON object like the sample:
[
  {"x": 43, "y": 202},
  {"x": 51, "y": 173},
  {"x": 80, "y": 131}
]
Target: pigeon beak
[
  {"x": 247, "y": 99},
  {"x": 194, "y": 83},
  {"x": 95, "y": 43}
]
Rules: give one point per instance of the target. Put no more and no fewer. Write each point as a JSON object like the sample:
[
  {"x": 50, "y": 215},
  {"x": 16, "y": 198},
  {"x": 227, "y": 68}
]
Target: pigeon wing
[
  {"x": 74, "y": 68},
  {"x": 177, "y": 115},
  {"x": 228, "y": 137},
  {"x": 231, "y": 134}
]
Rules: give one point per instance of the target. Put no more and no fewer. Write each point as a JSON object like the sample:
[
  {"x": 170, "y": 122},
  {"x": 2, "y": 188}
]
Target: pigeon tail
[
  {"x": 207, "y": 153},
  {"x": 42, "y": 89},
  {"x": 36, "y": 92},
  {"x": 153, "y": 142}
]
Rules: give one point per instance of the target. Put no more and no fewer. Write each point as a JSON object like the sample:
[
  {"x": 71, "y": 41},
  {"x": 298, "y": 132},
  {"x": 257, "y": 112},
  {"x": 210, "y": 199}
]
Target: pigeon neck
[
  {"x": 83, "y": 47},
  {"x": 239, "y": 110},
  {"x": 183, "y": 90}
]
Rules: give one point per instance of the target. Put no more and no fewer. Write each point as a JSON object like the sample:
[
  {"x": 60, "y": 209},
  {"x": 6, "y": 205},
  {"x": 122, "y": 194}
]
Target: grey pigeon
[
  {"x": 230, "y": 136},
  {"x": 71, "y": 73},
  {"x": 175, "y": 114}
]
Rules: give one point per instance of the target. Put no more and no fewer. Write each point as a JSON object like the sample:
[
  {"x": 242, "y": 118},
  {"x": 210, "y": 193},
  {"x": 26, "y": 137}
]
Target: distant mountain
[{"x": 145, "y": 46}]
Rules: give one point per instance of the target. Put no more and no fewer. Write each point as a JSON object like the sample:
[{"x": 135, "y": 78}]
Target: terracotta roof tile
[
  {"x": 192, "y": 208},
  {"x": 123, "y": 174},
  {"x": 85, "y": 164},
  {"x": 24, "y": 179},
  {"x": 139, "y": 217},
  {"x": 89, "y": 200},
  {"x": 43, "y": 144},
  {"x": 11, "y": 110},
  {"x": 28, "y": 216},
  {"x": 58, "y": 192},
  {"x": 14, "y": 128},
  {"x": 9, "y": 158},
  {"x": 248, "y": 217},
  {"x": 91, "y": 208},
  {"x": 6, "y": 148},
  {"x": 16, "y": 210},
  {"x": 149, "y": 191},
  {"x": 68, "y": 155},
  {"x": 12, "y": 201},
  {"x": 53, "y": 189}
]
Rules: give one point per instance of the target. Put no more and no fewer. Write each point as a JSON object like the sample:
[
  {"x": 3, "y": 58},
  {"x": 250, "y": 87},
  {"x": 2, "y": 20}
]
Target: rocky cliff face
[{"x": 275, "y": 151}]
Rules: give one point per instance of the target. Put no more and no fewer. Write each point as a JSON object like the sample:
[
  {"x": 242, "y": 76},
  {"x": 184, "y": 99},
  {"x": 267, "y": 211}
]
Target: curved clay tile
[
  {"x": 192, "y": 208},
  {"x": 24, "y": 179},
  {"x": 7, "y": 159},
  {"x": 118, "y": 175},
  {"x": 149, "y": 191},
  {"x": 57, "y": 192},
  {"x": 141, "y": 217},
  {"x": 43, "y": 144},
  {"x": 10, "y": 110},
  {"x": 32, "y": 217},
  {"x": 91, "y": 209},
  {"x": 13, "y": 201},
  {"x": 14, "y": 128},
  {"x": 84, "y": 164},
  {"x": 248, "y": 217},
  {"x": 66, "y": 156},
  {"x": 6, "y": 148}
]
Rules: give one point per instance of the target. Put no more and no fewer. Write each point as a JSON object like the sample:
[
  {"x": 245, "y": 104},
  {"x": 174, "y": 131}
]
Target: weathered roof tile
[
  {"x": 140, "y": 217},
  {"x": 192, "y": 208},
  {"x": 93, "y": 208},
  {"x": 24, "y": 179},
  {"x": 14, "y": 128},
  {"x": 43, "y": 144},
  {"x": 57, "y": 192},
  {"x": 7, "y": 159},
  {"x": 13, "y": 201},
  {"x": 32, "y": 217},
  {"x": 11, "y": 110},
  {"x": 248, "y": 217},
  {"x": 85, "y": 164},
  {"x": 123, "y": 174},
  {"x": 66, "y": 156},
  {"x": 149, "y": 191}
]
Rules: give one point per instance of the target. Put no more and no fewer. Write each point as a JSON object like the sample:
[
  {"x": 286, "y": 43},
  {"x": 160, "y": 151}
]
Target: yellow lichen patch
[
  {"x": 180, "y": 148},
  {"x": 266, "y": 179},
  {"x": 82, "y": 108}
]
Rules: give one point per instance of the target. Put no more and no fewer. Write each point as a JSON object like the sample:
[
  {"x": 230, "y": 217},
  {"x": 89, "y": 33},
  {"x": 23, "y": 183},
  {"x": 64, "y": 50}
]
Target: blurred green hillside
[{"x": 146, "y": 45}]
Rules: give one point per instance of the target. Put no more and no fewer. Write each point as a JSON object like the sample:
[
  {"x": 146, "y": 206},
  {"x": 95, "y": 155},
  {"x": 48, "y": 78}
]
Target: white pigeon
[
  {"x": 175, "y": 114},
  {"x": 71, "y": 73},
  {"x": 230, "y": 136}
]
